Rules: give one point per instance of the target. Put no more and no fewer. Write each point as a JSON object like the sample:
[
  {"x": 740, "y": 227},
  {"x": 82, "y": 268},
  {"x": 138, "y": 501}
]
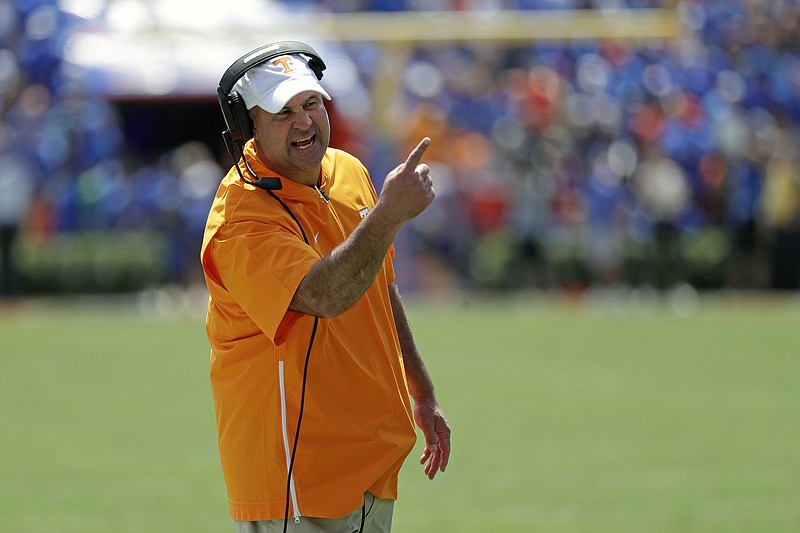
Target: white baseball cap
[{"x": 276, "y": 81}]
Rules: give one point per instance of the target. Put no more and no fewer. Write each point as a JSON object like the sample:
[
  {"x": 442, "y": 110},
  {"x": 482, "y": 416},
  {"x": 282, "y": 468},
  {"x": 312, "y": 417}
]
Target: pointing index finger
[{"x": 416, "y": 154}]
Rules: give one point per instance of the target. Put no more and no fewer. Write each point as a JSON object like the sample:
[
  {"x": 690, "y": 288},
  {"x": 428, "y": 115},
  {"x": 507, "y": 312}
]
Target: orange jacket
[{"x": 357, "y": 425}]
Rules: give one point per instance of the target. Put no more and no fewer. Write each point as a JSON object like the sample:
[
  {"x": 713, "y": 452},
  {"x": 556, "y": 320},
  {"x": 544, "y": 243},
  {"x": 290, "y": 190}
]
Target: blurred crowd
[
  {"x": 65, "y": 166},
  {"x": 556, "y": 164}
]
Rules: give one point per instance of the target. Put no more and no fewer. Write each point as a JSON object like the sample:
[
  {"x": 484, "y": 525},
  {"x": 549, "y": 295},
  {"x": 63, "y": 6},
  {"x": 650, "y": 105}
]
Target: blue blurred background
[{"x": 566, "y": 164}]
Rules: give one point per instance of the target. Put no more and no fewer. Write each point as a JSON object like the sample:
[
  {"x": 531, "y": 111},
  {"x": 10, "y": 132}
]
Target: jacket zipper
[
  {"x": 322, "y": 193},
  {"x": 333, "y": 210},
  {"x": 285, "y": 431}
]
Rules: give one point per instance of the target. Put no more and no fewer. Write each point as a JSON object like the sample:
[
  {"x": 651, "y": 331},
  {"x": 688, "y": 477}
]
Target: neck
[
  {"x": 302, "y": 176},
  {"x": 306, "y": 178}
]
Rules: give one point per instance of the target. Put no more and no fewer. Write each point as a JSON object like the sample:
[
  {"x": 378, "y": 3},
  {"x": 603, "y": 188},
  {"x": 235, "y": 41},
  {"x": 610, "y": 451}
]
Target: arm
[
  {"x": 338, "y": 280},
  {"x": 427, "y": 412}
]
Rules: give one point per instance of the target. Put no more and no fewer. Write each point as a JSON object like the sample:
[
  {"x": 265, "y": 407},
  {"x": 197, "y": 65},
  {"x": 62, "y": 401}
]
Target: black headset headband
[
  {"x": 265, "y": 53},
  {"x": 234, "y": 111}
]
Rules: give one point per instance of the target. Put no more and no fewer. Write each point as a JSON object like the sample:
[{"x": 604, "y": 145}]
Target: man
[{"x": 312, "y": 356}]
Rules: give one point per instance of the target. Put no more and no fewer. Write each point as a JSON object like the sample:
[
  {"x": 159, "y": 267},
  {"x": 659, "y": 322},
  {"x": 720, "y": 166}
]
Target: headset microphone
[{"x": 268, "y": 184}]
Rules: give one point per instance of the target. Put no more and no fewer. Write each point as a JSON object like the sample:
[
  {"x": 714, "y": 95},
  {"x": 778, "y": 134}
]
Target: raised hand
[{"x": 408, "y": 189}]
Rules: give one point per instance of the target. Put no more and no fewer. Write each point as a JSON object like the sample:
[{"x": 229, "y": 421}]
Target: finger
[
  {"x": 429, "y": 450},
  {"x": 433, "y": 466},
  {"x": 430, "y": 460},
  {"x": 444, "y": 446},
  {"x": 428, "y": 468},
  {"x": 416, "y": 154},
  {"x": 425, "y": 454},
  {"x": 428, "y": 426},
  {"x": 430, "y": 472}
]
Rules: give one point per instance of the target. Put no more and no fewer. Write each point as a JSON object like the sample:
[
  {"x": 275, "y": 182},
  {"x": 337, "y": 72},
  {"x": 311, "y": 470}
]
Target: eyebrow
[{"x": 307, "y": 100}]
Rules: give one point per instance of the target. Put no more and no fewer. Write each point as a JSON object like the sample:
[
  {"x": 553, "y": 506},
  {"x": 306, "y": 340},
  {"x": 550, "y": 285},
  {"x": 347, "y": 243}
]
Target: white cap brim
[
  {"x": 273, "y": 83},
  {"x": 274, "y": 101}
]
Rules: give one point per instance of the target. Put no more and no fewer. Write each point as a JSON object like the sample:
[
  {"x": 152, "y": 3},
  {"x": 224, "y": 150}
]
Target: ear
[{"x": 253, "y": 124}]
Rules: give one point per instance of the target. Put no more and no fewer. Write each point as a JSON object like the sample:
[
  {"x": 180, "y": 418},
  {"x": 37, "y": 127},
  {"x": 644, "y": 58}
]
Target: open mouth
[{"x": 305, "y": 143}]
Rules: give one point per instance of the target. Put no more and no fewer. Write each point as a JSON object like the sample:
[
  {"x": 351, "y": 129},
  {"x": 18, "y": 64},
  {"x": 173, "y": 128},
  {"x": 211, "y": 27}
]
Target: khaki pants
[{"x": 377, "y": 519}]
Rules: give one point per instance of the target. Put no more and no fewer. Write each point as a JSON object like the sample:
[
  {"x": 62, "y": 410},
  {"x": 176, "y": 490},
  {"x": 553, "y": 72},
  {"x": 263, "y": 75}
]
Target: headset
[
  {"x": 234, "y": 111},
  {"x": 239, "y": 131}
]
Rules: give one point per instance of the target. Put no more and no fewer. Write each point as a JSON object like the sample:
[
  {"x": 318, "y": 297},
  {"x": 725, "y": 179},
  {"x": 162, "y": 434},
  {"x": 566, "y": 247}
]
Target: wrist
[
  {"x": 382, "y": 218},
  {"x": 427, "y": 398}
]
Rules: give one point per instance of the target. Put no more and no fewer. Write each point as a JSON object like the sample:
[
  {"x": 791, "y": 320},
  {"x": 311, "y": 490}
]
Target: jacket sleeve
[{"x": 260, "y": 265}]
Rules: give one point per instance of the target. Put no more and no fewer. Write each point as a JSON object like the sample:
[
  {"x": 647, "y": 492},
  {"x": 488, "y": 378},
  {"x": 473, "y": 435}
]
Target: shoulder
[
  {"x": 339, "y": 159},
  {"x": 237, "y": 201}
]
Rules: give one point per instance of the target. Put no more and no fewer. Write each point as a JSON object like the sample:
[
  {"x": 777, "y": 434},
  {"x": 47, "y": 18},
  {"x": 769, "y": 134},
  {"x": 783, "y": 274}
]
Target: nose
[{"x": 302, "y": 119}]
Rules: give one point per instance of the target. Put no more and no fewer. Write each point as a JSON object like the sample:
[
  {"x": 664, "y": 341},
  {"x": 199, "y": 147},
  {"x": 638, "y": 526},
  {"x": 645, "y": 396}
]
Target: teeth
[{"x": 304, "y": 143}]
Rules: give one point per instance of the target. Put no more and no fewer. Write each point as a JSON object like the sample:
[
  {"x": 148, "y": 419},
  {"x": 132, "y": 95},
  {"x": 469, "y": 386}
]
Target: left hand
[{"x": 431, "y": 420}]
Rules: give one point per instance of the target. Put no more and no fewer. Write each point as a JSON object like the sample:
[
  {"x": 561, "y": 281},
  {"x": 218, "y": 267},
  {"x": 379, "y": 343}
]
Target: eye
[{"x": 313, "y": 104}]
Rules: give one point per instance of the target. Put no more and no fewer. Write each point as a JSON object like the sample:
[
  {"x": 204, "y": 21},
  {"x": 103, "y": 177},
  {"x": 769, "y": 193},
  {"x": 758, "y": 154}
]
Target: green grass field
[{"x": 565, "y": 417}]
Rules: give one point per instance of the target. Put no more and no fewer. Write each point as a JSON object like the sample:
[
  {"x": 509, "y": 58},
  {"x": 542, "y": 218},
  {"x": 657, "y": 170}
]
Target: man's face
[{"x": 293, "y": 141}]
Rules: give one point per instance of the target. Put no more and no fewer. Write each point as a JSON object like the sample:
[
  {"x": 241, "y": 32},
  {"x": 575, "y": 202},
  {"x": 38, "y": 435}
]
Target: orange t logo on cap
[{"x": 284, "y": 62}]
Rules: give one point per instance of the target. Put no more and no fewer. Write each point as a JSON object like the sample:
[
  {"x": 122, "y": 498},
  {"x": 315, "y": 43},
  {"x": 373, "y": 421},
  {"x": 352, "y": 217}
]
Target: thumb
[{"x": 429, "y": 432}]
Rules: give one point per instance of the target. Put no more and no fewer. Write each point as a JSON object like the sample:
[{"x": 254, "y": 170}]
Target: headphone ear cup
[
  {"x": 244, "y": 128},
  {"x": 316, "y": 65}
]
